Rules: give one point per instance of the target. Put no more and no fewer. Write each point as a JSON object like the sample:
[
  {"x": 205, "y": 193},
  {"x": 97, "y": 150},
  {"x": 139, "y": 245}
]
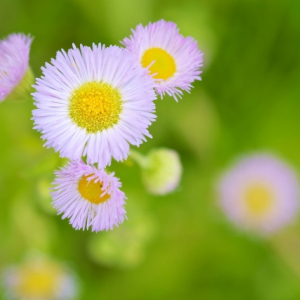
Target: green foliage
[{"x": 247, "y": 101}]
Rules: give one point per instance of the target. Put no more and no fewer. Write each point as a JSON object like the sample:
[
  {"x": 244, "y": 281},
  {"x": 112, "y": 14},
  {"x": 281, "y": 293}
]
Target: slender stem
[{"x": 140, "y": 159}]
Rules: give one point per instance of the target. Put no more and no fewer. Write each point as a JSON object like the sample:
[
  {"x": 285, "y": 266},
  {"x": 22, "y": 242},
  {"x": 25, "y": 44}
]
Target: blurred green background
[{"x": 178, "y": 246}]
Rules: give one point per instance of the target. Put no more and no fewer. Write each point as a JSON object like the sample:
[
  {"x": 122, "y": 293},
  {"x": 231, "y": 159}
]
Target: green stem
[{"x": 140, "y": 159}]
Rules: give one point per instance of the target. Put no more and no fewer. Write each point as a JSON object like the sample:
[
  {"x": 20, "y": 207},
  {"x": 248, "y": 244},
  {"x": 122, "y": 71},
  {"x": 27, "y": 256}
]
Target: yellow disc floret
[
  {"x": 95, "y": 106},
  {"x": 164, "y": 65},
  {"x": 91, "y": 190},
  {"x": 258, "y": 200},
  {"x": 39, "y": 281}
]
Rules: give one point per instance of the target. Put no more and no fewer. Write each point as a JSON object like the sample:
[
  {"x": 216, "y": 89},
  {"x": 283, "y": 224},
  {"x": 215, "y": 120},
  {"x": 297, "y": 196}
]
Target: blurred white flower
[
  {"x": 260, "y": 192},
  {"x": 39, "y": 278},
  {"x": 16, "y": 76}
]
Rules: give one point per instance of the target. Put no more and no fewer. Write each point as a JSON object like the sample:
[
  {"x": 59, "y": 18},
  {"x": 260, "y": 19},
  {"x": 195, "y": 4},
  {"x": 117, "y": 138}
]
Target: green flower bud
[{"x": 161, "y": 170}]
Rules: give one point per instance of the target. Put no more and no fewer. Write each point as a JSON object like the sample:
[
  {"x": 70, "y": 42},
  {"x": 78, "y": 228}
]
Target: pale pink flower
[
  {"x": 14, "y": 58},
  {"x": 260, "y": 192},
  {"x": 94, "y": 102},
  {"x": 39, "y": 278},
  {"x": 173, "y": 60},
  {"x": 89, "y": 197}
]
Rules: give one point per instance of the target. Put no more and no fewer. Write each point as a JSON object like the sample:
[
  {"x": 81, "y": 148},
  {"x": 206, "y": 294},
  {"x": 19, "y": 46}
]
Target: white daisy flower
[
  {"x": 93, "y": 102},
  {"x": 173, "y": 60},
  {"x": 88, "y": 197}
]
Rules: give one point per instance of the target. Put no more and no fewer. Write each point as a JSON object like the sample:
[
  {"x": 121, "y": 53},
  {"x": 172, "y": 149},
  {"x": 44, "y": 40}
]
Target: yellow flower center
[
  {"x": 258, "y": 200},
  {"x": 164, "y": 65},
  {"x": 91, "y": 190},
  {"x": 39, "y": 281},
  {"x": 95, "y": 106}
]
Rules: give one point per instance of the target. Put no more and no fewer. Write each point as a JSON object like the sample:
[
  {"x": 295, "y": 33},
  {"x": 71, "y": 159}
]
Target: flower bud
[{"x": 161, "y": 170}]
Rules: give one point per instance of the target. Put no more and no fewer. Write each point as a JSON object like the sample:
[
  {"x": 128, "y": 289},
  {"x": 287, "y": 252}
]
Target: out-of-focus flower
[
  {"x": 40, "y": 278},
  {"x": 173, "y": 60},
  {"x": 161, "y": 170},
  {"x": 16, "y": 76},
  {"x": 260, "y": 193},
  {"x": 89, "y": 197},
  {"x": 93, "y": 102}
]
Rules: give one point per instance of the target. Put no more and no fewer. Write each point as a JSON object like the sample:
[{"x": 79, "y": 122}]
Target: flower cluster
[{"x": 93, "y": 103}]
